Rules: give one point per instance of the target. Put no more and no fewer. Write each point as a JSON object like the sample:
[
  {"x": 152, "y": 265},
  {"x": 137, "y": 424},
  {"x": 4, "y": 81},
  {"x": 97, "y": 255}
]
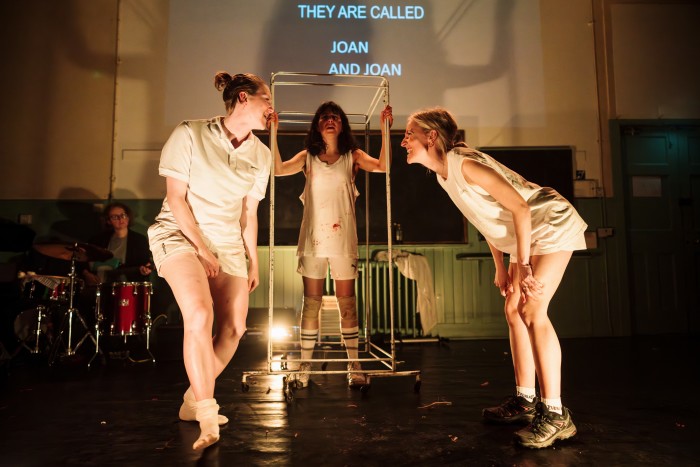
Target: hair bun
[{"x": 221, "y": 79}]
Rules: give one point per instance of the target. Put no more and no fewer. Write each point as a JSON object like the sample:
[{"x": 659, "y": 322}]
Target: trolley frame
[{"x": 386, "y": 359}]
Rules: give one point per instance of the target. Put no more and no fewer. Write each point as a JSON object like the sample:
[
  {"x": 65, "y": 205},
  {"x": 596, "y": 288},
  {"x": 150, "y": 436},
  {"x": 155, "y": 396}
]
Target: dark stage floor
[{"x": 633, "y": 401}]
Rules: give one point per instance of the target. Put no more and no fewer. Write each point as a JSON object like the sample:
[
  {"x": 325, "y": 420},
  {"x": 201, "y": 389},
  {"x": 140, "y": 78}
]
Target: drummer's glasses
[{"x": 116, "y": 217}]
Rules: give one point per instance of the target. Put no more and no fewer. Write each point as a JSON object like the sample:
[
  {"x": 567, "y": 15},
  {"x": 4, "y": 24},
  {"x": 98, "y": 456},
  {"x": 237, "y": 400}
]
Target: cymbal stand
[
  {"x": 149, "y": 323},
  {"x": 68, "y": 320}
]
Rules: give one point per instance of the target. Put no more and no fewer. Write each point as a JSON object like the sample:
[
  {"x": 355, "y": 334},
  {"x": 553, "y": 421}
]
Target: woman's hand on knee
[{"x": 529, "y": 285}]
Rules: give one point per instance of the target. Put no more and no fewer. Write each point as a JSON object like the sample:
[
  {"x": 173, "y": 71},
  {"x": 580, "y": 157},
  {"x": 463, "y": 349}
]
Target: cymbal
[{"x": 78, "y": 251}]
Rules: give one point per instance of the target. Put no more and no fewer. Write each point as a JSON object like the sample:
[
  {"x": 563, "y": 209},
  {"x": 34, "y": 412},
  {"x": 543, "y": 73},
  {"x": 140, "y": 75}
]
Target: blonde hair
[{"x": 442, "y": 121}]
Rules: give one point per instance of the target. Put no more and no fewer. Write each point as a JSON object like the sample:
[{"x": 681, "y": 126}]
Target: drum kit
[{"x": 120, "y": 308}]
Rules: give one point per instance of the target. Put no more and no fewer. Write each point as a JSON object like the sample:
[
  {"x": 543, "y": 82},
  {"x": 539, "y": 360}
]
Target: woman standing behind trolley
[
  {"x": 216, "y": 173},
  {"x": 328, "y": 234},
  {"x": 539, "y": 229}
]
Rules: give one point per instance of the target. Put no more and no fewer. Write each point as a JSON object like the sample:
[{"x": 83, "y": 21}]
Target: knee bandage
[
  {"x": 348, "y": 308},
  {"x": 312, "y": 305},
  {"x": 309, "y": 325}
]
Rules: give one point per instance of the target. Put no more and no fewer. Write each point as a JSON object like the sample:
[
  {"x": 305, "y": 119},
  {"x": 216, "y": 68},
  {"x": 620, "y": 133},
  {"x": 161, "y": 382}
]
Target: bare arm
[
  {"x": 509, "y": 198},
  {"x": 290, "y": 167},
  {"x": 501, "y": 280},
  {"x": 177, "y": 199},
  {"x": 249, "y": 230},
  {"x": 293, "y": 165},
  {"x": 369, "y": 163},
  {"x": 503, "y": 192}
]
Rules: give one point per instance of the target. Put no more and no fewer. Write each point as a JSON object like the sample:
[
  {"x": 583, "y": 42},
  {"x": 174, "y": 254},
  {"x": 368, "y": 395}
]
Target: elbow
[{"x": 524, "y": 210}]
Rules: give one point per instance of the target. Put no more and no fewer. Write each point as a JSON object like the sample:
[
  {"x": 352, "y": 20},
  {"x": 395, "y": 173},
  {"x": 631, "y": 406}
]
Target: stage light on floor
[{"x": 280, "y": 333}]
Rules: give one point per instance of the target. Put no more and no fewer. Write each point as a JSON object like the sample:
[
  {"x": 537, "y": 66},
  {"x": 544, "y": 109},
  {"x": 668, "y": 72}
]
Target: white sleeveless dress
[
  {"x": 556, "y": 226},
  {"x": 328, "y": 226}
]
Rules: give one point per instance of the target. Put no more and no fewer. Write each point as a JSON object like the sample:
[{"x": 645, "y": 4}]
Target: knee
[
  {"x": 512, "y": 311},
  {"x": 198, "y": 320},
  {"x": 531, "y": 314},
  {"x": 348, "y": 308},
  {"x": 311, "y": 308},
  {"x": 230, "y": 331}
]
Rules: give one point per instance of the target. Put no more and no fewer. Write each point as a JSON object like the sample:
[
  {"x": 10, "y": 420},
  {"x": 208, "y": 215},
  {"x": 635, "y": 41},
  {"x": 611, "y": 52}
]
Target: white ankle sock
[
  {"x": 553, "y": 405},
  {"x": 526, "y": 393}
]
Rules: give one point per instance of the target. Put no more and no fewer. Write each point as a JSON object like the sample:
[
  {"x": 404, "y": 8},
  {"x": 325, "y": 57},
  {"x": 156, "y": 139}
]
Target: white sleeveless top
[
  {"x": 556, "y": 226},
  {"x": 328, "y": 227}
]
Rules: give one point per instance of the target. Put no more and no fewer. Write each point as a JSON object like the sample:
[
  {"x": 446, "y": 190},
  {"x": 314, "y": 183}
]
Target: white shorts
[
  {"x": 232, "y": 258},
  {"x": 342, "y": 268}
]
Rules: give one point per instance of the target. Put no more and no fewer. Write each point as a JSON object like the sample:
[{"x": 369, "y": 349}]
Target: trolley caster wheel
[
  {"x": 324, "y": 365},
  {"x": 289, "y": 391},
  {"x": 245, "y": 387},
  {"x": 416, "y": 387},
  {"x": 364, "y": 389}
]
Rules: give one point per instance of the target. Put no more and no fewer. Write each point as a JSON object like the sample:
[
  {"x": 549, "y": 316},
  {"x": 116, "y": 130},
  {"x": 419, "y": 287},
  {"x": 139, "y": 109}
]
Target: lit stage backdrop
[{"x": 480, "y": 58}]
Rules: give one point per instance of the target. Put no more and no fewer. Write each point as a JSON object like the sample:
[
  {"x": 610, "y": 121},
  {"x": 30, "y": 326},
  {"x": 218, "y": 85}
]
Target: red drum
[
  {"x": 123, "y": 308},
  {"x": 61, "y": 291},
  {"x": 40, "y": 288}
]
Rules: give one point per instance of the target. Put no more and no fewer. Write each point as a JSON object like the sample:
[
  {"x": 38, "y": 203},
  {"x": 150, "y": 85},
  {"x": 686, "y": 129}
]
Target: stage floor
[{"x": 633, "y": 402}]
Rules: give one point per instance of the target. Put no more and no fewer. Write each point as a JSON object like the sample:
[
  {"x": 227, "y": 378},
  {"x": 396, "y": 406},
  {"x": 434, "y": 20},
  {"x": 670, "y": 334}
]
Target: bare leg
[
  {"x": 549, "y": 270},
  {"x": 230, "y": 295},
  {"x": 520, "y": 347},
  {"x": 188, "y": 281}
]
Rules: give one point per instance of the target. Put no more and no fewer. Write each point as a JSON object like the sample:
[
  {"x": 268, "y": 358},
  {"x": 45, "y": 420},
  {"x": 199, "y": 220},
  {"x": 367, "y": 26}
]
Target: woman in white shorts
[
  {"x": 328, "y": 235},
  {"x": 216, "y": 173},
  {"x": 539, "y": 229}
]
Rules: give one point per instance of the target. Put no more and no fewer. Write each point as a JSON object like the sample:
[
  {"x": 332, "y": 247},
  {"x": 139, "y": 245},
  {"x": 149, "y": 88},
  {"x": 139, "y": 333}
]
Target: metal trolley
[{"x": 377, "y": 361}]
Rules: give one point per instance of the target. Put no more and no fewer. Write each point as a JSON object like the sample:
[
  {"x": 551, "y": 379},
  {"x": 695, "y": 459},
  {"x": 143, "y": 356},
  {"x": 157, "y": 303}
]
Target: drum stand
[
  {"x": 67, "y": 324},
  {"x": 41, "y": 312}
]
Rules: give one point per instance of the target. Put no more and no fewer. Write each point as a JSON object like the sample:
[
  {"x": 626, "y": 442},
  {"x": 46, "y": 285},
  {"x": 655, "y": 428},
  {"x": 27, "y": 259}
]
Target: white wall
[{"x": 57, "y": 90}]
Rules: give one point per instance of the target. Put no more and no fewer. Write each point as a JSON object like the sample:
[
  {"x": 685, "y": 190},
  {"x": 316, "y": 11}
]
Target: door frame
[{"x": 620, "y": 181}]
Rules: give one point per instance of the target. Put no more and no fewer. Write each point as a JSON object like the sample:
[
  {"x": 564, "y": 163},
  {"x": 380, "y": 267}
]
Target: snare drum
[{"x": 123, "y": 307}]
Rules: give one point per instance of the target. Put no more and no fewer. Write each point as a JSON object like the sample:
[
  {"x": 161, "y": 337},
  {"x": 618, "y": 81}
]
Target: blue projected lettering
[{"x": 360, "y": 12}]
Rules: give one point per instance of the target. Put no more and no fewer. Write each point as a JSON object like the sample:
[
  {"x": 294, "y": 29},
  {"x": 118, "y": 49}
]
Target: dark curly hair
[{"x": 314, "y": 140}]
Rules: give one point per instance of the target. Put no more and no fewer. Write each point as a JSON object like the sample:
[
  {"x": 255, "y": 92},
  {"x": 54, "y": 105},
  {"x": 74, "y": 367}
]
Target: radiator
[
  {"x": 372, "y": 287},
  {"x": 373, "y": 290}
]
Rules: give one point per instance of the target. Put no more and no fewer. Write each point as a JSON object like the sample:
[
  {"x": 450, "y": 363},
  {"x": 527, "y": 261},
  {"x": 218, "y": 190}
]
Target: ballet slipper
[
  {"x": 207, "y": 411},
  {"x": 188, "y": 409}
]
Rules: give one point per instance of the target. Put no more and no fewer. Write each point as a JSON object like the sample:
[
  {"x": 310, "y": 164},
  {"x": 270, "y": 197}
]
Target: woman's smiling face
[{"x": 415, "y": 141}]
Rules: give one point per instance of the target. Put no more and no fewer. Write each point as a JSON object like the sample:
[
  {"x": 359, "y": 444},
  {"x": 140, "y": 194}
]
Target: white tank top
[
  {"x": 328, "y": 227},
  {"x": 556, "y": 226}
]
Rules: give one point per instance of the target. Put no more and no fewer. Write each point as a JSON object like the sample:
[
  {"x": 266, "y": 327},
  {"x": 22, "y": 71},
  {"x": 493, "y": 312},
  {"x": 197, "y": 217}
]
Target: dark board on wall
[
  {"x": 419, "y": 204},
  {"x": 551, "y": 166}
]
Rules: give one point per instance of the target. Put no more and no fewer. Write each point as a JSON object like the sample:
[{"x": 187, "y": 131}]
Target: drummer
[{"x": 131, "y": 261}]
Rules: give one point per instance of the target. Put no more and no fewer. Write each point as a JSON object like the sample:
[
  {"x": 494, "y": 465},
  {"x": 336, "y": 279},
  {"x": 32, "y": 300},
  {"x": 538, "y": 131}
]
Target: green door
[{"x": 662, "y": 197}]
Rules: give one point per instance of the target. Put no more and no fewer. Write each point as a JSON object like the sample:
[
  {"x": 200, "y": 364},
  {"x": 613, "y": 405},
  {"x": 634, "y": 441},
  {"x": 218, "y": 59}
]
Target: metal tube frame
[{"x": 386, "y": 358}]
